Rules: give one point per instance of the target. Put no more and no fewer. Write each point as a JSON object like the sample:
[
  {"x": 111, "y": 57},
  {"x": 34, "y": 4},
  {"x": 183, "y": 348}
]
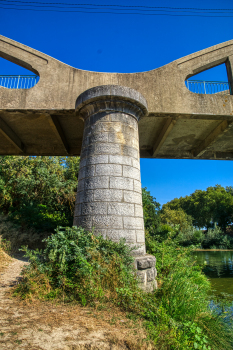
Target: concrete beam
[
  {"x": 210, "y": 139},
  {"x": 57, "y": 129},
  {"x": 11, "y": 136},
  {"x": 167, "y": 127}
]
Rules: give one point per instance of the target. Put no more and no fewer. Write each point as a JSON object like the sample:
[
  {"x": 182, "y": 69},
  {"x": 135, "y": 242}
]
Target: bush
[
  {"x": 78, "y": 265},
  {"x": 214, "y": 238}
]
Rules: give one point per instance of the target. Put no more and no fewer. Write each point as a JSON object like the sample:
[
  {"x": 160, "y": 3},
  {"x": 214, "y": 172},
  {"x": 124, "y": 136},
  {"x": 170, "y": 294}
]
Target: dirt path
[{"x": 46, "y": 326}]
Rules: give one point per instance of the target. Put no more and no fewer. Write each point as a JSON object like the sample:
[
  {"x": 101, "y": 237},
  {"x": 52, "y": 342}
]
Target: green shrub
[
  {"x": 79, "y": 265},
  {"x": 215, "y": 237},
  {"x": 183, "y": 295}
]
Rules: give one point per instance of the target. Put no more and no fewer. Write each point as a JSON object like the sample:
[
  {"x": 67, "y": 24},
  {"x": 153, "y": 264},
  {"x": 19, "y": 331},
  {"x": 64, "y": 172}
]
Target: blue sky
[{"x": 131, "y": 43}]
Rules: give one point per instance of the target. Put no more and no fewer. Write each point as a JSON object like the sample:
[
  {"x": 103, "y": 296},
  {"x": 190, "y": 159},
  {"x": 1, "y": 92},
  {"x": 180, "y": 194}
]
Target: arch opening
[
  {"x": 210, "y": 81},
  {"x": 13, "y": 76}
]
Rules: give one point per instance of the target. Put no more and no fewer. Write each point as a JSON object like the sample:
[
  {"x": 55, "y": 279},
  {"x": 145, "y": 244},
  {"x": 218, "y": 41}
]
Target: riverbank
[{"x": 213, "y": 250}]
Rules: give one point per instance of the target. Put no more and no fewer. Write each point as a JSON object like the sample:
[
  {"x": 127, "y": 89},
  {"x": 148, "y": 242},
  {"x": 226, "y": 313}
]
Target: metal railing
[
  {"x": 208, "y": 87},
  {"x": 18, "y": 81}
]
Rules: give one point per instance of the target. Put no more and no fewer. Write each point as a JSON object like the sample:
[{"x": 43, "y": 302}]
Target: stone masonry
[{"x": 109, "y": 198}]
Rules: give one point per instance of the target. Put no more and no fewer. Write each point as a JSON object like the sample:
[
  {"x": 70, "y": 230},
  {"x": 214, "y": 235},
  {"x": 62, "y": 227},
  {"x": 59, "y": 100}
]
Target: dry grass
[
  {"x": 39, "y": 323},
  {"x": 5, "y": 259},
  {"x": 45, "y": 325}
]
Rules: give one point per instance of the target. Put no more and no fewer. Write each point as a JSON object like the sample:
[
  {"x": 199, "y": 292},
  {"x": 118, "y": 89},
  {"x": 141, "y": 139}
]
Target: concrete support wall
[{"x": 109, "y": 197}]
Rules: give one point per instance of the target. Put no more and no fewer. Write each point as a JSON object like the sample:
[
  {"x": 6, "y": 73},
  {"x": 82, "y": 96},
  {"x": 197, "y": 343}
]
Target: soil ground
[{"x": 48, "y": 326}]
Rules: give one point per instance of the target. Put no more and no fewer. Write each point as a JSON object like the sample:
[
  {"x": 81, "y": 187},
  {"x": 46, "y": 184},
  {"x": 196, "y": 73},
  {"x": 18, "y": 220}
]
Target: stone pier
[{"x": 109, "y": 198}]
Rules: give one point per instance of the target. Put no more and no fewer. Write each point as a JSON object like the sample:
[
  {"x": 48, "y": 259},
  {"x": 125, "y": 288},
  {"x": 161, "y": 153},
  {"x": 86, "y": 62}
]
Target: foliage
[
  {"x": 81, "y": 265},
  {"x": 151, "y": 211},
  {"x": 183, "y": 296},
  {"x": 214, "y": 238},
  {"x": 38, "y": 192},
  {"x": 215, "y": 205},
  {"x": 176, "y": 217},
  {"x": 78, "y": 266}
]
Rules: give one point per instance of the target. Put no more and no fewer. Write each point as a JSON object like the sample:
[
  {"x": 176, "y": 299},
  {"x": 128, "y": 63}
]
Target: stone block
[
  {"x": 132, "y": 197},
  {"x": 142, "y": 277},
  {"x": 145, "y": 262},
  {"x": 135, "y": 163},
  {"x": 149, "y": 287},
  {"x": 105, "y": 127},
  {"x": 81, "y": 185},
  {"x": 100, "y": 137},
  {"x": 133, "y": 173},
  {"x": 84, "y": 196},
  {"x": 113, "y": 127},
  {"x": 83, "y": 221},
  {"x": 116, "y": 235},
  {"x": 109, "y": 169},
  {"x": 98, "y": 159},
  {"x": 116, "y": 159},
  {"x": 129, "y": 151},
  {"x": 94, "y": 208},
  {"x": 137, "y": 186},
  {"x": 99, "y": 117},
  {"x": 123, "y": 209},
  {"x": 101, "y": 232},
  {"x": 77, "y": 210},
  {"x": 128, "y": 130},
  {"x": 107, "y": 148},
  {"x": 133, "y": 223},
  {"x": 87, "y": 171},
  {"x": 121, "y": 183},
  {"x": 121, "y": 138},
  {"x": 140, "y": 234},
  {"x": 107, "y": 195},
  {"x": 138, "y": 211},
  {"x": 150, "y": 275},
  {"x": 107, "y": 221},
  {"x": 96, "y": 182},
  {"x": 125, "y": 119},
  {"x": 82, "y": 163}
]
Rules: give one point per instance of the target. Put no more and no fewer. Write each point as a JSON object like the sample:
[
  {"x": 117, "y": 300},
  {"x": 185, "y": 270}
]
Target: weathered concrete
[{"x": 180, "y": 124}]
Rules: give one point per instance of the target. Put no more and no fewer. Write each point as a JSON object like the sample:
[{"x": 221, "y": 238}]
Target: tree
[
  {"x": 39, "y": 191},
  {"x": 215, "y": 205},
  {"x": 176, "y": 217},
  {"x": 151, "y": 211}
]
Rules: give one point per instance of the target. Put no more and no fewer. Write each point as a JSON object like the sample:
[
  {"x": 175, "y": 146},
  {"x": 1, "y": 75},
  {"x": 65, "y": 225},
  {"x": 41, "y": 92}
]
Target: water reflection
[{"x": 219, "y": 268}]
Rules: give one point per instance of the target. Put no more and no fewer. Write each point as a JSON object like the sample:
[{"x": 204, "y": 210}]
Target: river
[{"x": 219, "y": 269}]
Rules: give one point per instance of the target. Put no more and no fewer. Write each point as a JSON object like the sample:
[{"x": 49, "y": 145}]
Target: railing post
[{"x": 18, "y": 82}]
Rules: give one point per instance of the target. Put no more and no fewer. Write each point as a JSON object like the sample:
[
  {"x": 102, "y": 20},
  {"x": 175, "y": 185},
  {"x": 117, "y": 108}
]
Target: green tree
[
  {"x": 215, "y": 205},
  {"x": 39, "y": 191},
  {"x": 176, "y": 217},
  {"x": 151, "y": 212}
]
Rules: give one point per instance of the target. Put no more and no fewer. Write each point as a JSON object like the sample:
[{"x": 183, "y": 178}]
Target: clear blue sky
[{"x": 130, "y": 43}]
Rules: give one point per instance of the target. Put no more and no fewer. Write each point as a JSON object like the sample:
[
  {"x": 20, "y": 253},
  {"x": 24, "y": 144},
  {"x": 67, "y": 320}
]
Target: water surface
[{"x": 219, "y": 269}]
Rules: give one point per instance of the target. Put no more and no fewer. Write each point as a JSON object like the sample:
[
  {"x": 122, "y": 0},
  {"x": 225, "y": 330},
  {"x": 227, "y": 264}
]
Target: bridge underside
[
  {"x": 174, "y": 136},
  {"x": 180, "y": 123}
]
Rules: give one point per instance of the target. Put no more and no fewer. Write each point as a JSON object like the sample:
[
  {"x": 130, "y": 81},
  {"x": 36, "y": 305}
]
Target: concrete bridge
[{"x": 115, "y": 119}]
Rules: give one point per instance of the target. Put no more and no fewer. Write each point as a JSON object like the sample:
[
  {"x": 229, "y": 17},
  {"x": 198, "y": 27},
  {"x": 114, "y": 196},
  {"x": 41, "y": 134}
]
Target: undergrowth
[{"x": 77, "y": 266}]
